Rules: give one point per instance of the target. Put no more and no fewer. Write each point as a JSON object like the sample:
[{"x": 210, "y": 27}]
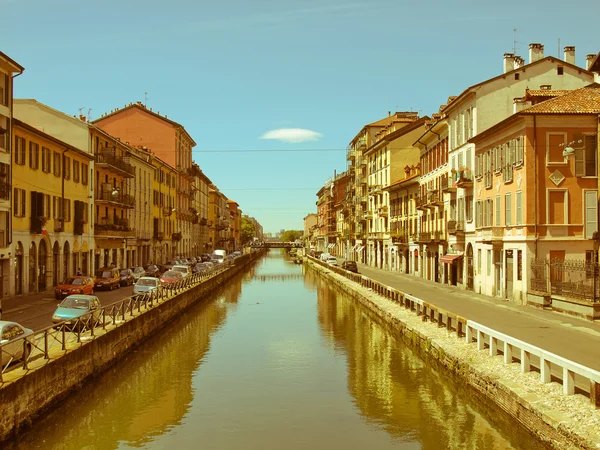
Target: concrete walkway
[{"x": 570, "y": 337}]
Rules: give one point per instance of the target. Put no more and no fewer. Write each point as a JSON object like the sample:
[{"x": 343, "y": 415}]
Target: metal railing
[{"x": 53, "y": 341}]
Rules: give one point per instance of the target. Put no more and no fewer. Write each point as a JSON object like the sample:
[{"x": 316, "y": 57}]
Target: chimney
[
  {"x": 536, "y": 52},
  {"x": 588, "y": 61},
  {"x": 519, "y": 104},
  {"x": 389, "y": 113},
  {"x": 569, "y": 55},
  {"x": 509, "y": 62},
  {"x": 519, "y": 62}
]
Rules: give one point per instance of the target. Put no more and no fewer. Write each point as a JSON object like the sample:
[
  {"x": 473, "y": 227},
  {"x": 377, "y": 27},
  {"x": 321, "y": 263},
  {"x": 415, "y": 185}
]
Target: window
[
  {"x": 591, "y": 213},
  {"x": 585, "y": 155},
  {"x": 489, "y": 212},
  {"x": 67, "y": 167},
  {"x": 478, "y": 260},
  {"x": 478, "y": 214},
  {"x": 57, "y": 164},
  {"x": 20, "y": 150},
  {"x": 469, "y": 208},
  {"x": 56, "y": 207},
  {"x": 489, "y": 262},
  {"x": 34, "y": 155},
  {"x": 498, "y": 210},
  {"x": 46, "y": 206},
  {"x": 560, "y": 70},
  {"x": 67, "y": 210},
  {"x": 19, "y": 203},
  {"x": 518, "y": 208},
  {"x": 507, "y": 209},
  {"x": 46, "y": 160},
  {"x": 84, "y": 174},
  {"x": 555, "y": 143},
  {"x": 519, "y": 144},
  {"x": 76, "y": 170},
  {"x": 517, "y": 75},
  {"x": 557, "y": 206},
  {"x": 519, "y": 265},
  {"x": 509, "y": 156}
]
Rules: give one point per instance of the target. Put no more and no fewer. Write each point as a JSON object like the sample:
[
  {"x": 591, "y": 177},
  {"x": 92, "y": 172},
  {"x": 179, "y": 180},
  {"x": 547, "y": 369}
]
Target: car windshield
[
  {"x": 73, "y": 281},
  {"x": 125, "y": 272},
  {"x": 180, "y": 269},
  {"x": 104, "y": 274},
  {"x": 171, "y": 274},
  {"x": 75, "y": 302},
  {"x": 146, "y": 282}
]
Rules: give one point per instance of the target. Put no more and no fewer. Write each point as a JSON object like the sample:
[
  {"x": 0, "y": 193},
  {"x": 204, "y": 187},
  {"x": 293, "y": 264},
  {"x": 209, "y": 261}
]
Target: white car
[
  {"x": 332, "y": 261},
  {"x": 185, "y": 270},
  {"x": 146, "y": 284},
  {"x": 11, "y": 342}
]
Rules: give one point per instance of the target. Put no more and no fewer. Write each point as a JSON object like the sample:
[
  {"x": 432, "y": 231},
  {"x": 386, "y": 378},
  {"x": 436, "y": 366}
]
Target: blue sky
[{"x": 230, "y": 72}]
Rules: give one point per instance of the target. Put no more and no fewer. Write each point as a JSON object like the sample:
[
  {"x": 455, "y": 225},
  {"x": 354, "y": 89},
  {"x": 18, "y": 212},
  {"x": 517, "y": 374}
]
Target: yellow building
[
  {"x": 52, "y": 198},
  {"x": 164, "y": 191},
  {"x": 235, "y": 219},
  {"x": 218, "y": 219},
  {"x": 9, "y": 69}
]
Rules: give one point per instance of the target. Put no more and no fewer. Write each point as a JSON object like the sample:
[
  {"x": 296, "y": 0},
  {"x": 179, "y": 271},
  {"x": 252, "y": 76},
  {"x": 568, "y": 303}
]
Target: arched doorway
[
  {"x": 66, "y": 252},
  {"x": 56, "y": 264},
  {"x": 470, "y": 267},
  {"x": 19, "y": 269},
  {"x": 42, "y": 261},
  {"x": 32, "y": 267}
]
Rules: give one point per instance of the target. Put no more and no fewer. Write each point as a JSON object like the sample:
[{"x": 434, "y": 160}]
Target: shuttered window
[
  {"x": 498, "y": 210},
  {"x": 508, "y": 210},
  {"x": 591, "y": 213},
  {"x": 518, "y": 213}
]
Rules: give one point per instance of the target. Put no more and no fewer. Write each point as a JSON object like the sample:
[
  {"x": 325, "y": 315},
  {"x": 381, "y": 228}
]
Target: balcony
[
  {"x": 463, "y": 179},
  {"x": 420, "y": 204},
  {"x": 167, "y": 211},
  {"x": 4, "y": 190},
  {"x": 399, "y": 236},
  {"x": 113, "y": 227},
  {"x": 455, "y": 227},
  {"x": 375, "y": 189},
  {"x": 351, "y": 154},
  {"x": 438, "y": 236},
  {"x": 115, "y": 164},
  {"x": 448, "y": 185},
  {"x": 144, "y": 235},
  {"x": 424, "y": 237},
  {"x": 434, "y": 199},
  {"x": 115, "y": 198},
  {"x": 369, "y": 214},
  {"x": 383, "y": 211}
]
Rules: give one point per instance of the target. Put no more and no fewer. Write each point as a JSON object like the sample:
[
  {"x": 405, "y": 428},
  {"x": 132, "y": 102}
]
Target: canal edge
[{"x": 550, "y": 426}]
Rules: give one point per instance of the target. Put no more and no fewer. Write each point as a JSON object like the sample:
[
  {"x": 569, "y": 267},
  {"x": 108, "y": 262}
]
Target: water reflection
[
  {"x": 143, "y": 396},
  {"x": 396, "y": 390}
]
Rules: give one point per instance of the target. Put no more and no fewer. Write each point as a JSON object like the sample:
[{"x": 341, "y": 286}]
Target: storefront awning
[
  {"x": 450, "y": 259},
  {"x": 331, "y": 246}
]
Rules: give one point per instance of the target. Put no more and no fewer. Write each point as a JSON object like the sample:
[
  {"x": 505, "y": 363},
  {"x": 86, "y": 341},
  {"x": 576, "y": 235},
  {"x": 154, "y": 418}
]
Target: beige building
[
  {"x": 140, "y": 217},
  {"x": 387, "y": 158},
  {"x": 310, "y": 225}
]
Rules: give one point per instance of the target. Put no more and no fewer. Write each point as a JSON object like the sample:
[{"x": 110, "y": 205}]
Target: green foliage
[
  {"x": 248, "y": 232},
  {"x": 291, "y": 235}
]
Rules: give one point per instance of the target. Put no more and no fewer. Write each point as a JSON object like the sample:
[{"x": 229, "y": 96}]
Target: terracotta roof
[
  {"x": 580, "y": 101},
  {"x": 546, "y": 92}
]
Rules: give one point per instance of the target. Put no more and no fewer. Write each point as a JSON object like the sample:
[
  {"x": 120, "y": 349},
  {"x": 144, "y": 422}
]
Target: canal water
[{"x": 279, "y": 359}]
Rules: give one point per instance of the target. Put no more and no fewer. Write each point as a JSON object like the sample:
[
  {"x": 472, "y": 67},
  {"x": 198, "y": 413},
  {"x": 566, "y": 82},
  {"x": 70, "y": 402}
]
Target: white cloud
[{"x": 292, "y": 135}]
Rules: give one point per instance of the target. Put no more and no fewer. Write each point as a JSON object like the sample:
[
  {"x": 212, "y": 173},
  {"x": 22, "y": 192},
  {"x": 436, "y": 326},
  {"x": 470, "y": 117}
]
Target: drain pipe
[{"x": 535, "y": 176}]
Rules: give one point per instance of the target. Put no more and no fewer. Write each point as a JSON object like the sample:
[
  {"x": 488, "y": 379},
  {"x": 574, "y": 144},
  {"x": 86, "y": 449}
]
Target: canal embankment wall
[
  {"x": 559, "y": 421},
  {"x": 40, "y": 388}
]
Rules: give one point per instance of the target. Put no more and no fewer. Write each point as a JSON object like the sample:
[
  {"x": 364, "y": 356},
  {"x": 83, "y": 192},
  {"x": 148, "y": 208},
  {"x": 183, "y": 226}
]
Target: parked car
[
  {"x": 236, "y": 254},
  {"x": 325, "y": 256},
  {"x": 332, "y": 261},
  {"x": 11, "y": 334},
  {"x": 201, "y": 267},
  {"x": 217, "y": 259},
  {"x": 350, "y": 266},
  {"x": 74, "y": 285},
  {"x": 205, "y": 257},
  {"x": 152, "y": 270},
  {"x": 127, "y": 278},
  {"x": 146, "y": 284},
  {"x": 184, "y": 269},
  {"x": 138, "y": 272},
  {"x": 107, "y": 278},
  {"x": 76, "y": 307},
  {"x": 170, "y": 277}
]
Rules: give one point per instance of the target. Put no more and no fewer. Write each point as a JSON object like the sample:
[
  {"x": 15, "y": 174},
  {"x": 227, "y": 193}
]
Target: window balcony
[
  {"x": 464, "y": 179},
  {"x": 113, "y": 227},
  {"x": 455, "y": 227},
  {"x": 116, "y": 164},
  {"x": 424, "y": 237},
  {"x": 351, "y": 155},
  {"x": 115, "y": 198},
  {"x": 383, "y": 211}
]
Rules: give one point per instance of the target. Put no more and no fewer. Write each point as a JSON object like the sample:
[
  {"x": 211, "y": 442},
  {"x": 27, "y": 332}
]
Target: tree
[
  {"x": 248, "y": 231},
  {"x": 291, "y": 235}
]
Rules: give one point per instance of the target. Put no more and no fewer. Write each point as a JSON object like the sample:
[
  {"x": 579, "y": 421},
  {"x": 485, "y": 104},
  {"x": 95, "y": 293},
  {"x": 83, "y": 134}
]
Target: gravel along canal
[{"x": 278, "y": 359}]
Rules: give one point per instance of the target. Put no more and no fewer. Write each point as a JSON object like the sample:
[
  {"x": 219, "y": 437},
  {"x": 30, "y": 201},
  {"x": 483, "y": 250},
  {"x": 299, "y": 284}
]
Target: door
[
  {"x": 498, "y": 269},
  {"x": 470, "y": 267},
  {"x": 509, "y": 274}
]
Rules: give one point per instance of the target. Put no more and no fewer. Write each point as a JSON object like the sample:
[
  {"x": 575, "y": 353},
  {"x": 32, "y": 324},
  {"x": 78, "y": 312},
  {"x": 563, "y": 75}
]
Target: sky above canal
[{"x": 273, "y": 91}]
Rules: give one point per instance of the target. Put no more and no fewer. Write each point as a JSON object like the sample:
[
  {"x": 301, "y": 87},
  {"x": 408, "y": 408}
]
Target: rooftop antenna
[
  {"x": 81, "y": 109},
  {"x": 145, "y": 99},
  {"x": 514, "y": 41},
  {"x": 558, "y": 51},
  {"x": 89, "y": 114}
]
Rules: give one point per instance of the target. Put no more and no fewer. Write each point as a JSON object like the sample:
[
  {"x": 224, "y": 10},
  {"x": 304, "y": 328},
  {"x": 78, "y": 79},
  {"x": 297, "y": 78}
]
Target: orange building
[
  {"x": 536, "y": 184},
  {"x": 169, "y": 141}
]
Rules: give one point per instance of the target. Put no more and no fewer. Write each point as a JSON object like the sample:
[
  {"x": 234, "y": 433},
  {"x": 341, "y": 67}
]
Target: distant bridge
[
  {"x": 276, "y": 244},
  {"x": 279, "y": 277}
]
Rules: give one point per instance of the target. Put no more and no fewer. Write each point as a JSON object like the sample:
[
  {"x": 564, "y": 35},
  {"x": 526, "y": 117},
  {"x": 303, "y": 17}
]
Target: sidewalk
[{"x": 570, "y": 337}]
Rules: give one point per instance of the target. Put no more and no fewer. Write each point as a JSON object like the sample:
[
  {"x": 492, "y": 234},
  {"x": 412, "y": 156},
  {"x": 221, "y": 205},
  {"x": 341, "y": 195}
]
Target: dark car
[
  {"x": 205, "y": 257},
  {"x": 350, "y": 266},
  {"x": 152, "y": 270},
  {"x": 127, "y": 278},
  {"x": 107, "y": 278}
]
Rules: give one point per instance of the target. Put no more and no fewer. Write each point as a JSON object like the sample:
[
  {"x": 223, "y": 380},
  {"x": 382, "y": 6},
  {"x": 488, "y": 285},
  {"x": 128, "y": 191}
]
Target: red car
[
  {"x": 170, "y": 276},
  {"x": 74, "y": 285}
]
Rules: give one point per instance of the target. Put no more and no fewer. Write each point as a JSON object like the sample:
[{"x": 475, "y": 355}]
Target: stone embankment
[
  {"x": 27, "y": 393},
  {"x": 560, "y": 421}
]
